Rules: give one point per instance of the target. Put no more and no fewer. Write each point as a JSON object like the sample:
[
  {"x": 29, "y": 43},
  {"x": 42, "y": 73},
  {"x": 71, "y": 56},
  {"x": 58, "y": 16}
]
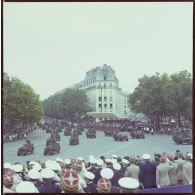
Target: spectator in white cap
[
  {"x": 56, "y": 168},
  {"x": 6, "y": 166},
  {"x": 148, "y": 172},
  {"x": 99, "y": 167},
  {"x": 26, "y": 187},
  {"x": 117, "y": 174},
  {"x": 187, "y": 169},
  {"x": 125, "y": 163},
  {"x": 114, "y": 156},
  {"x": 92, "y": 168},
  {"x": 133, "y": 170},
  {"x": 34, "y": 177},
  {"x": 108, "y": 163},
  {"x": 67, "y": 163},
  {"x": 17, "y": 168},
  {"x": 128, "y": 185},
  {"x": 48, "y": 185},
  {"x": 81, "y": 160},
  {"x": 60, "y": 162},
  {"x": 108, "y": 173},
  {"x": 90, "y": 186}
]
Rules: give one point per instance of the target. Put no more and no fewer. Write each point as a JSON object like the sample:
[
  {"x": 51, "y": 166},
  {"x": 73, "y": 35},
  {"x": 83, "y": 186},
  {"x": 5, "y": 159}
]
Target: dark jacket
[
  {"x": 91, "y": 188},
  {"x": 49, "y": 188},
  {"x": 117, "y": 175},
  {"x": 148, "y": 174}
]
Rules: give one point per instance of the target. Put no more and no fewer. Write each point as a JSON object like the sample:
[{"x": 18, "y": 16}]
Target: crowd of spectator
[{"x": 99, "y": 175}]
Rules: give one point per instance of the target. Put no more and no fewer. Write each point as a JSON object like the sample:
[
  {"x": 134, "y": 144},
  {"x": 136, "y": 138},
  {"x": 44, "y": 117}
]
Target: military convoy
[
  {"x": 120, "y": 137},
  {"x": 182, "y": 137},
  {"x": 26, "y": 149},
  {"x": 55, "y": 135},
  {"x": 91, "y": 133},
  {"x": 137, "y": 134}
]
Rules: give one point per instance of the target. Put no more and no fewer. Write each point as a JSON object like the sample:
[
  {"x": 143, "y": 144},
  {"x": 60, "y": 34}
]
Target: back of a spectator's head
[
  {"x": 119, "y": 159},
  {"x": 132, "y": 159},
  {"x": 180, "y": 154}
]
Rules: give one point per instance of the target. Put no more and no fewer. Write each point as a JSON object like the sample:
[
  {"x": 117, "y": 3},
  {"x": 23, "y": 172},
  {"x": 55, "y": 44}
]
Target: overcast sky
[{"x": 51, "y": 46}]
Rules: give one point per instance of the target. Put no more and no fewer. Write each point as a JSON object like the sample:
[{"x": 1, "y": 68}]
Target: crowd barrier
[{"x": 170, "y": 189}]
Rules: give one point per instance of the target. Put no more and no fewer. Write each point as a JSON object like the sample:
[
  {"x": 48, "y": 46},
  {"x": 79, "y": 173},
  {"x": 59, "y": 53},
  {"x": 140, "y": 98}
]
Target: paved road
[{"x": 102, "y": 145}]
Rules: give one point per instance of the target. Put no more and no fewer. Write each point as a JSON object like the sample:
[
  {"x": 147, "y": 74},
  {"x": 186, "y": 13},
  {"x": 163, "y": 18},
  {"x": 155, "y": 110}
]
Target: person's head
[
  {"x": 104, "y": 185},
  {"x": 146, "y": 157},
  {"x": 69, "y": 182},
  {"x": 132, "y": 159},
  {"x": 188, "y": 156},
  {"x": 34, "y": 175},
  {"x": 180, "y": 154},
  {"x": 170, "y": 157},
  {"x": 47, "y": 174},
  {"x": 8, "y": 178},
  {"x": 162, "y": 159},
  {"x": 119, "y": 159}
]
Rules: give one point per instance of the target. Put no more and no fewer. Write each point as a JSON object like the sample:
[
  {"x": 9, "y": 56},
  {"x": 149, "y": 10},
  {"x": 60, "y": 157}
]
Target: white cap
[
  {"x": 125, "y": 161},
  {"x": 113, "y": 161},
  {"x": 146, "y": 156},
  {"x": 26, "y": 186},
  {"x": 80, "y": 158},
  {"x": 107, "y": 160},
  {"x": 100, "y": 162},
  {"x": 47, "y": 162},
  {"x": 54, "y": 166},
  {"x": 89, "y": 175},
  {"x": 128, "y": 183},
  {"x": 37, "y": 166},
  {"x": 189, "y": 155},
  {"x": 117, "y": 166},
  {"x": 114, "y": 156},
  {"x": 17, "y": 168},
  {"x": 31, "y": 163},
  {"x": 67, "y": 161},
  {"x": 107, "y": 173},
  {"x": 7, "y": 165},
  {"x": 47, "y": 173},
  {"x": 59, "y": 160},
  {"x": 34, "y": 174},
  {"x": 92, "y": 161}
]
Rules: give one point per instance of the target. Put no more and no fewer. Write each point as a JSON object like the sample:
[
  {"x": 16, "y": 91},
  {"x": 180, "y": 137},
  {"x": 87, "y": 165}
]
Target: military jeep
[
  {"x": 26, "y": 149},
  {"x": 137, "y": 134},
  {"x": 91, "y": 134},
  {"x": 52, "y": 149},
  {"x": 67, "y": 132},
  {"x": 74, "y": 140},
  {"x": 182, "y": 138},
  {"x": 120, "y": 137}
]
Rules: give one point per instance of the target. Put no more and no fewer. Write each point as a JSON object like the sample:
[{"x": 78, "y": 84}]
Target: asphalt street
[{"x": 102, "y": 145}]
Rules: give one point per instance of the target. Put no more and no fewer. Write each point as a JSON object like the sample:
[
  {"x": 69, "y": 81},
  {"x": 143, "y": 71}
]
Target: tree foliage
[
  {"x": 68, "y": 103},
  {"x": 160, "y": 96},
  {"x": 21, "y": 105}
]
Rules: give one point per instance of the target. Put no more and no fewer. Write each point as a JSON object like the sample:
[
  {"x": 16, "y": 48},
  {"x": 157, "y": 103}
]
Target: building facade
[{"x": 107, "y": 100}]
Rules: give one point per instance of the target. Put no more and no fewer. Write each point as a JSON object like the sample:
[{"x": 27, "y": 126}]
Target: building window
[
  {"x": 100, "y": 105},
  {"x": 110, "y": 98},
  {"x": 105, "y": 98},
  {"x": 100, "y": 98},
  {"x": 104, "y": 85},
  {"x": 110, "y": 106},
  {"x": 104, "y": 78},
  {"x": 105, "y": 105}
]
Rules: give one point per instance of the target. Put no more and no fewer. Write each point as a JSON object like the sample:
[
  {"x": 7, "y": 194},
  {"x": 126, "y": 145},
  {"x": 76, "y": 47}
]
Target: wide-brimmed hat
[
  {"x": 107, "y": 173},
  {"x": 26, "y": 187},
  {"x": 128, "y": 183},
  {"x": 146, "y": 156}
]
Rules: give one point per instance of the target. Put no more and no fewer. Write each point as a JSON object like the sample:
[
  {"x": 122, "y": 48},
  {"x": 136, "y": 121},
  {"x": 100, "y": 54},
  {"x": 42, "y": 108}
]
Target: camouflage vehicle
[
  {"x": 109, "y": 133},
  {"x": 50, "y": 140},
  {"x": 52, "y": 149},
  {"x": 182, "y": 138},
  {"x": 77, "y": 132},
  {"x": 26, "y": 149},
  {"x": 74, "y": 140},
  {"x": 91, "y": 134},
  {"x": 120, "y": 137},
  {"x": 55, "y": 135},
  {"x": 137, "y": 134}
]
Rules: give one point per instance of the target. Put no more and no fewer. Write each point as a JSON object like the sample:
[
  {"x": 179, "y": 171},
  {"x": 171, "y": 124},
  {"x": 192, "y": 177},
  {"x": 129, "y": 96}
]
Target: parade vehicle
[
  {"x": 52, "y": 149},
  {"x": 51, "y": 140},
  {"x": 74, "y": 140},
  {"x": 120, "y": 137},
  {"x": 26, "y": 149},
  {"x": 77, "y": 132},
  {"x": 67, "y": 132},
  {"x": 182, "y": 138},
  {"x": 91, "y": 133},
  {"x": 55, "y": 135},
  {"x": 48, "y": 130},
  {"x": 109, "y": 133},
  {"x": 137, "y": 134}
]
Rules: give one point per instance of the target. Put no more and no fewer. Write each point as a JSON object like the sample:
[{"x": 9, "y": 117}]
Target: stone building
[{"x": 107, "y": 100}]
